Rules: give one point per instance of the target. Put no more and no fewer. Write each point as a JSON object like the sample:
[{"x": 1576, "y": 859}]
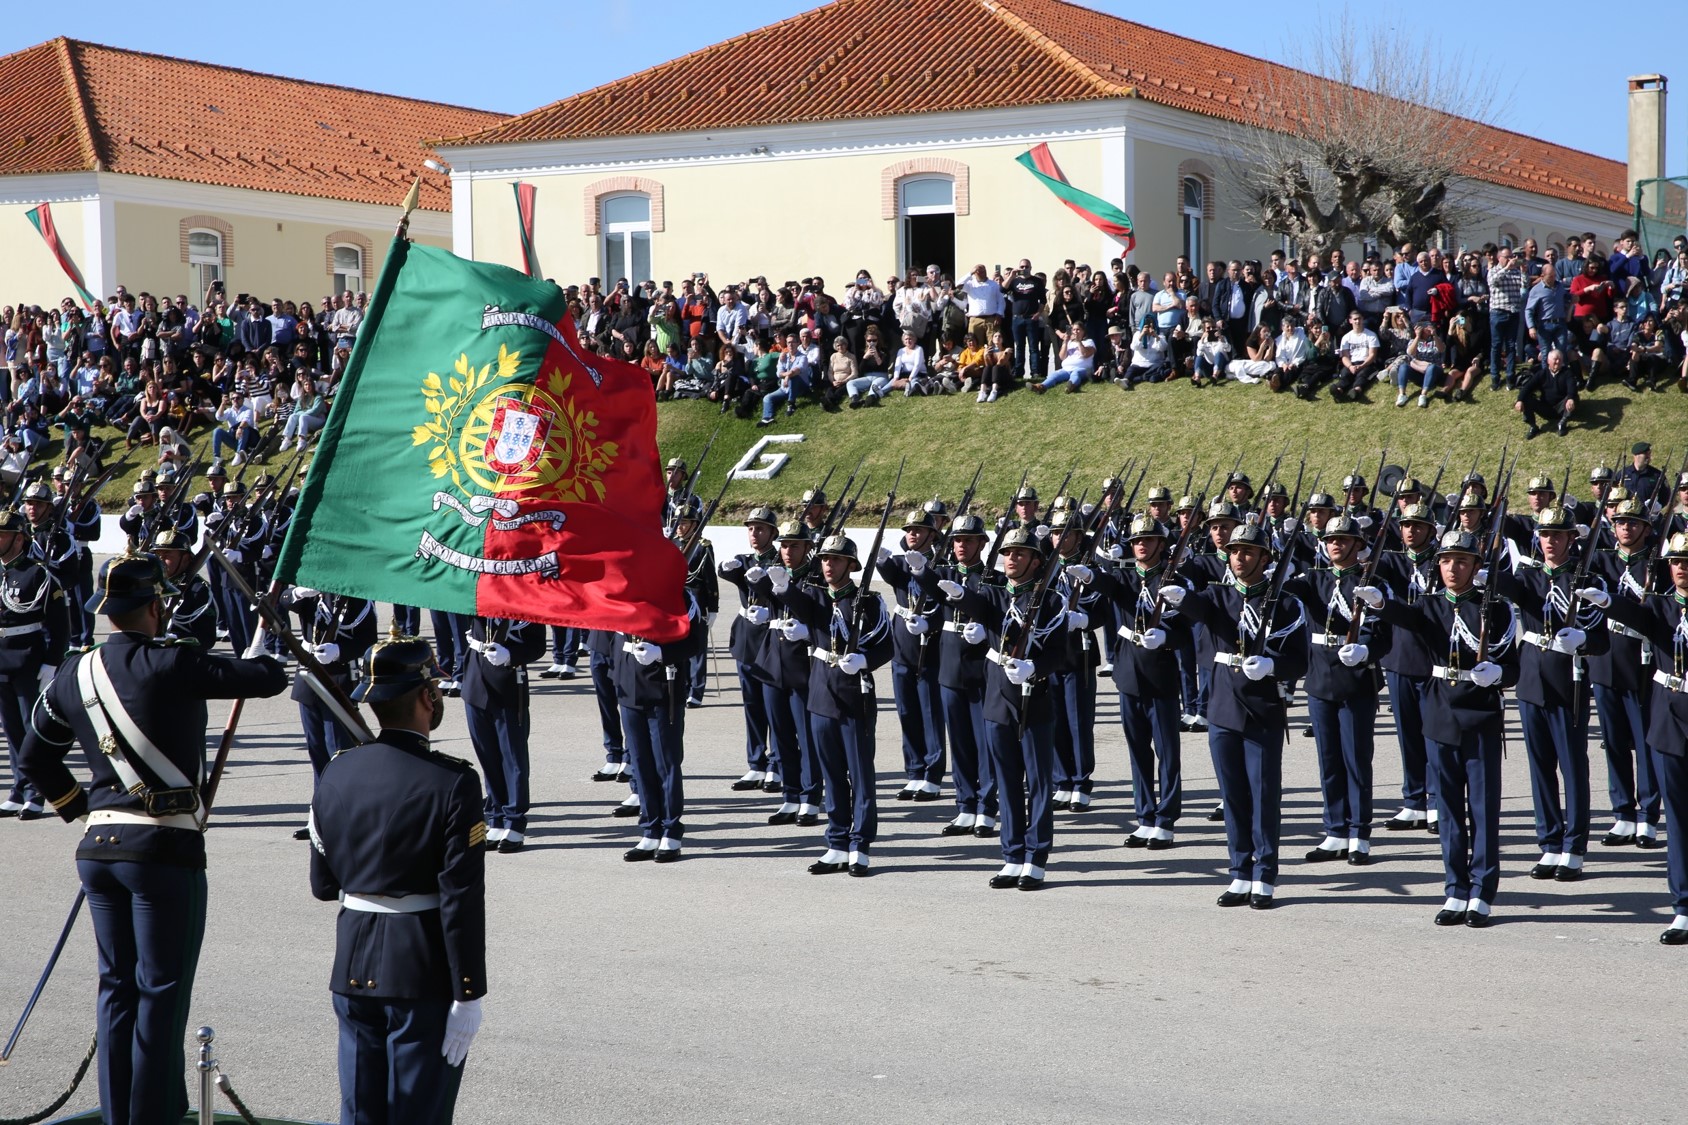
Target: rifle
[
  {"x": 996, "y": 542},
  {"x": 821, "y": 487},
  {"x": 1028, "y": 627},
  {"x": 939, "y": 550},
  {"x": 1279, "y": 577},
  {"x": 1132, "y": 499},
  {"x": 1300, "y": 474},
  {"x": 1189, "y": 477},
  {"x": 1178, "y": 548},
  {"x": 1371, "y": 500},
  {"x": 827, "y": 524},
  {"x": 1273, "y": 471},
  {"x": 1433, "y": 495},
  {"x": 1492, "y": 558},
  {"x": 1201, "y": 500},
  {"x": 858, "y": 608},
  {"x": 845, "y": 508},
  {"x": 1661, "y": 530},
  {"x": 691, "y": 483}
]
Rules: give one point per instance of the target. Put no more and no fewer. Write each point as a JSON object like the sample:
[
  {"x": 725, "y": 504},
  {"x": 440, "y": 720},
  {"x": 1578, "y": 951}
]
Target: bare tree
[{"x": 1363, "y": 135}]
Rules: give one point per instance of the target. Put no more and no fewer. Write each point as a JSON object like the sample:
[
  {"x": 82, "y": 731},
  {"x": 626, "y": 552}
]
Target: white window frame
[
  {"x": 1194, "y": 220},
  {"x": 344, "y": 280},
  {"x": 907, "y": 211},
  {"x": 203, "y": 268},
  {"x": 623, "y": 233}
]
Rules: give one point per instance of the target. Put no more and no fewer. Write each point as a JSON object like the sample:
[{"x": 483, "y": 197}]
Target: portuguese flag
[
  {"x": 1095, "y": 210},
  {"x": 41, "y": 218},
  {"x": 478, "y": 460}
]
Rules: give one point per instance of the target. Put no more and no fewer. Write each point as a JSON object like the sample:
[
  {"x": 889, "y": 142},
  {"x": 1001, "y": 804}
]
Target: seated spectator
[
  {"x": 1150, "y": 356},
  {"x": 841, "y": 369},
  {"x": 1648, "y": 361},
  {"x": 1077, "y": 355},
  {"x": 239, "y": 428},
  {"x": 908, "y": 370},
  {"x": 310, "y": 411},
  {"x": 791, "y": 372},
  {"x": 763, "y": 375},
  {"x": 652, "y": 363},
  {"x": 999, "y": 367},
  {"x": 1260, "y": 355},
  {"x": 1422, "y": 365},
  {"x": 1294, "y": 360},
  {"x": 150, "y": 414},
  {"x": 1213, "y": 354},
  {"x": 1360, "y": 354},
  {"x": 1547, "y": 394}
]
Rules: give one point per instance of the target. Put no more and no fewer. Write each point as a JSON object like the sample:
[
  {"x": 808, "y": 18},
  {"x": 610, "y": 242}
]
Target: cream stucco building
[{"x": 883, "y": 133}]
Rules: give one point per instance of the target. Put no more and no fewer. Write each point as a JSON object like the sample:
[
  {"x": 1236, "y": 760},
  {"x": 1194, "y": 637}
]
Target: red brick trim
[
  {"x": 593, "y": 193},
  {"x": 1201, "y": 170},
  {"x": 348, "y": 238},
  {"x": 924, "y": 166},
  {"x": 207, "y": 222}
]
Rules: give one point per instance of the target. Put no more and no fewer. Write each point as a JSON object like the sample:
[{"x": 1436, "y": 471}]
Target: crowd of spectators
[{"x": 257, "y": 375}]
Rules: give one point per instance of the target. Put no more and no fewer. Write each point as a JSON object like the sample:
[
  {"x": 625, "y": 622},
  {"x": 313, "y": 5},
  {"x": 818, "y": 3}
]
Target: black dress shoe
[
  {"x": 1136, "y": 841},
  {"x": 808, "y": 819},
  {"x": 1475, "y": 920},
  {"x": 1320, "y": 855},
  {"x": 860, "y": 871},
  {"x": 1217, "y": 815},
  {"x": 1004, "y": 882},
  {"x": 607, "y": 775},
  {"x": 1451, "y": 917},
  {"x": 452, "y": 693},
  {"x": 509, "y": 847},
  {"x": 771, "y": 786},
  {"x": 694, "y": 704},
  {"x": 1674, "y": 937},
  {"x": 1564, "y": 874},
  {"x": 1396, "y": 824},
  {"x": 672, "y": 855},
  {"x": 37, "y": 814},
  {"x": 1027, "y": 883},
  {"x": 821, "y": 867},
  {"x": 1234, "y": 898},
  {"x": 1433, "y": 827},
  {"x": 1156, "y": 844},
  {"x": 983, "y": 832},
  {"x": 301, "y": 833},
  {"x": 1617, "y": 840},
  {"x": 638, "y": 855},
  {"x": 8, "y": 813},
  {"x": 783, "y": 818},
  {"x": 923, "y": 795},
  {"x": 1543, "y": 870},
  {"x": 957, "y": 830},
  {"x": 905, "y": 794},
  {"x": 1260, "y": 902},
  {"x": 1359, "y": 859},
  {"x": 626, "y": 810},
  {"x": 1059, "y": 806},
  {"x": 1648, "y": 843},
  {"x": 745, "y": 785}
]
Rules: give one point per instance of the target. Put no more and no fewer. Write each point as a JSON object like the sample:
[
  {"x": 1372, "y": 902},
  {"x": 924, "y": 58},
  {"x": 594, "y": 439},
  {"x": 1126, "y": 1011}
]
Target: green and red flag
[
  {"x": 478, "y": 460},
  {"x": 525, "y": 195},
  {"x": 1093, "y": 209},
  {"x": 41, "y": 218}
]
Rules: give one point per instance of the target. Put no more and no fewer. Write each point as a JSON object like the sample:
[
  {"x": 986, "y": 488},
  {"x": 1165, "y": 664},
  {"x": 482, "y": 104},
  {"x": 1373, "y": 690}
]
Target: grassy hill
[{"x": 945, "y": 439}]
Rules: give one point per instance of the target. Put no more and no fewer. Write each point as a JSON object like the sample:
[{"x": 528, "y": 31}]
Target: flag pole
[{"x": 411, "y": 198}]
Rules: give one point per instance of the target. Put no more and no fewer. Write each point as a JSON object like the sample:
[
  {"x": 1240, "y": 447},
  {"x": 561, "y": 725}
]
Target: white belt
[
  {"x": 388, "y": 904},
  {"x": 1624, "y": 630},
  {"x": 1451, "y": 675},
  {"x": 952, "y": 627},
  {"x": 1674, "y": 683},
  {"x": 1229, "y": 659},
  {"x": 744, "y": 611},
  {"x": 826, "y": 657},
  {"x": 123, "y": 816},
  {"x": 21, "y": 630},
  {"x": 996, "y": 656},
  {"x": 1126, "y": 632},
  {"x": 1328, "y": 640},
  {"x": 1539, "y": 640}
]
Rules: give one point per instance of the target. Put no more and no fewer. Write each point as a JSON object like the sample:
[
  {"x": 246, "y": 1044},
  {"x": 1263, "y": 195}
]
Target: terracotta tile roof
[
  {"x": 69, "y": 106},
  {"x": 886, "y": 58}
]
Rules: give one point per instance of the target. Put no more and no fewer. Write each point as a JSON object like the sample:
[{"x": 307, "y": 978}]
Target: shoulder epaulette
[
  {"x": 448, "y": 760},
  {"x": 1536, "y": 563}
]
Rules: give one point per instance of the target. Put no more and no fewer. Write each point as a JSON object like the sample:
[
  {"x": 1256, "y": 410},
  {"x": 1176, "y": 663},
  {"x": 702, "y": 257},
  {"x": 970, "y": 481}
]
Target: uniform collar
[
  {"x": 1456, "y": 599},
  {"x": 406, "y": 739},
  {"x": 844, "y": 592},
  {"x": 1250, "y": 591}
]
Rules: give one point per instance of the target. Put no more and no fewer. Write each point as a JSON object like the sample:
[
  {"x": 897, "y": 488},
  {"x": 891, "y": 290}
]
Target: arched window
[
  {"x": 348, "y": 268},
  {"x": 926, "y": 205},
  {"x": 205, "y": 260},
  {"x": 626, "y": 227},
  {"x": 1194, "y": 212},
  {"x": 1510, "y": 236}
]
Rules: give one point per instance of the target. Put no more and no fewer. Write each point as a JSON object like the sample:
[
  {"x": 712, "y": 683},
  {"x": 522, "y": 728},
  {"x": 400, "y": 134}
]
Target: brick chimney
[{"x": 1646, "y": 135}]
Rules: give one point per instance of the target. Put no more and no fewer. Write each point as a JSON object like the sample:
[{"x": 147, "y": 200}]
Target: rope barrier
[
  {"x": 227, "y": 1088},
  {"x": 75, "y": 1082}
]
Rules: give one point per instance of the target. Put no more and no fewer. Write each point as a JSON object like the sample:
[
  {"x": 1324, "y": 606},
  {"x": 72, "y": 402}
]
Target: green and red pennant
[
  {"x": 41, "y": 218},
  {"x": 478, "y": 460},
  {"x": 1096, "y": 211},
  {"x": 525, "y": 196}
]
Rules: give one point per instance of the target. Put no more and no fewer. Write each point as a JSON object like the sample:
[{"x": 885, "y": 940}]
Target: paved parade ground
[{"x": 733, "y": 986}]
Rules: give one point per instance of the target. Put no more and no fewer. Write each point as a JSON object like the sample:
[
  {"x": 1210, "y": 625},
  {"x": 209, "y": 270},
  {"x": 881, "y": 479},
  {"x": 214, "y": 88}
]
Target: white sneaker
[
  {"x": 239, "y": 458},
  {"x": 984, "y": 395},
  {"x": 993, "y": 395},
  {"x": 1401, "y": 399},
  {"x": 1423, "y": 401}
]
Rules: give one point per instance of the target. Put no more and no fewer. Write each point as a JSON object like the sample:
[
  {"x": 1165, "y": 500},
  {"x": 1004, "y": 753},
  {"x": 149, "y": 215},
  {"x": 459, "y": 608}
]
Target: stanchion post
[{"x": 207, "y": 1067}]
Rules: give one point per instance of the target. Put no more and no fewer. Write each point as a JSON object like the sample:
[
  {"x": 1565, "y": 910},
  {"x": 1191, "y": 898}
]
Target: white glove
[
  {"x": 1364, "y": 521},
  {"x": 757, "y": 614},
  {"x": 917, "y": 625},
  {"x": 134, "y": 510},
  {"x": 1290, "y": 526},
  {"x": 755, "y": 574},
  {"x": 884, "y": 555},
  {"x": 1113, "y": 552},
  {"x": 496, "y": 654},
  {"x": 1354, "y": 655},
  {"x": 328, "y": 652},
  {"x": 1078, "y": 620},
  {"x": 305, "y": 592},
  {"x": 1485, "y": 674},
  {"x": 1041, "y": 530},
  {"x": 1258, "y": 667},
  {"x": 1569, "y": 640},
  {"x": 779, "y": 578},
  {"x": 1019, "y": 671},
  {"x": 732, "y": 564},
  {"x": 1080, "y": 573},
  {"x": 45, "y": 676},
  {"x": 461, "y": 1024},
  {"x": 1582, "y": 531},
  {"x": 1482, "y": 578},
  {"x": 1370, "y": 595},
  {"x": 952, "y": 590},
  {"x": 1154, "y": 638},
  {"x": 234, "y": 555},
  {"x": 851, "y": 663},
  {"x": 1595, "y": 597},
  {"x": 915, "y": 560},
  {"x": 1172, "y": 595},
  {"x": 644, "y": 652},
  {"x": 794, "y": 630},
  {"x": 973, "y": 633}
]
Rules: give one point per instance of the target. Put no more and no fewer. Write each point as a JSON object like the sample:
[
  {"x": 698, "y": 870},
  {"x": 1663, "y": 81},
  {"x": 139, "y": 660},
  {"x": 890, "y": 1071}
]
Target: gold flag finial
[{"x": 411, "y": 198}]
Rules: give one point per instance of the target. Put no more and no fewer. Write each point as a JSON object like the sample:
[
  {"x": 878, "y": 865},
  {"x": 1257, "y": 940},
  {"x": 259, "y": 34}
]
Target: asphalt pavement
[{"x": 735, "y": 987}]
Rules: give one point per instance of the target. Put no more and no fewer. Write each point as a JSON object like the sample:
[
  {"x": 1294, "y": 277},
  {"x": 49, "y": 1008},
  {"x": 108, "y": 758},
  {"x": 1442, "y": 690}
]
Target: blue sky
[{"x": 513, "y": 57}]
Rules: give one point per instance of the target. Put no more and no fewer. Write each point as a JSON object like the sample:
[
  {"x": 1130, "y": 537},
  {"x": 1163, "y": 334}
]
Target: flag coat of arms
[{"x": 478, "y": 460}]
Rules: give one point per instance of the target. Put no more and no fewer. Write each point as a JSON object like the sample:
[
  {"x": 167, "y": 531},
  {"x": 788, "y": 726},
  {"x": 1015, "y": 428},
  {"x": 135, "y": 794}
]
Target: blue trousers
[
  {"x": 970, "y": 761},
  {"x": 391, "y": 1072},
  {"x": 1406, "y": 702},
  {"x": 449, "y": 646},
  {"x": 1557, "y": 743},
  {"x": 1672, "y": 770},
  {"x": 1250, "y": 768},
  {"x": 609, "y": 712},
  {"x": 1028, "y": 347},
  {"x": 755, "y": 720},
  {"x": 408, "y": 618},
  {"x": 232, "y": 611},
  {"x": 1467, "y": 778},
  {"x": 845, "y": 750},
  {"x": 500, "y": 738},
  {"x": 793, "y": 745},
  {"x": 17, "y": 699},
  {"x": 699, "y": 669},
  {"x": 1631, "y": 781},
  {"x": 1343, "y": 738},
  {"x": 1192, "y": 684},
  {"x": 1504, "y": 330},
  {"x": 1023, "y": 768},
  {"x": 1074, "y": 736},
  {"x": 565, "y": 645},
  {"x": 325, "y": 735},
  {"x": 920, "y": 714},
  {"x": 1151, "y": 726},
  {"x": 149, "y": 920},
  {"x": 656, "y": 747}
]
